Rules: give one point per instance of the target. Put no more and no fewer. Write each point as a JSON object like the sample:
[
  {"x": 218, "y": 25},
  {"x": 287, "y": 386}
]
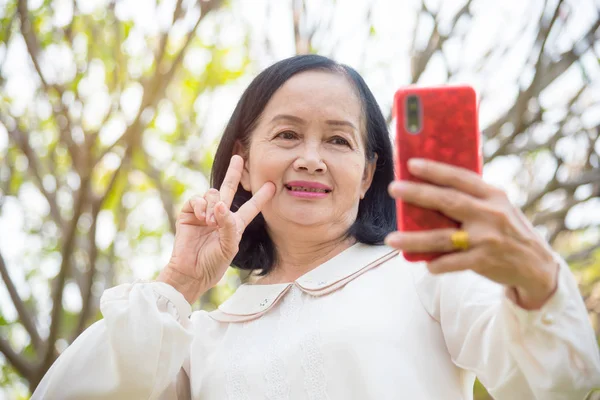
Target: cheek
[
  {"x": 349, "y": 174},
  {"x": 268, "y": 165}
]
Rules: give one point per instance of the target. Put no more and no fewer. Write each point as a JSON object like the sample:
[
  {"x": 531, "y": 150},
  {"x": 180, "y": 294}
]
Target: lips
[
  {"x": 304, "y": 189},
  {"x": 307, "y": 186}
]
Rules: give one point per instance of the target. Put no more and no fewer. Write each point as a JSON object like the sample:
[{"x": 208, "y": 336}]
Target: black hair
[{"x": 376, "y": 212}]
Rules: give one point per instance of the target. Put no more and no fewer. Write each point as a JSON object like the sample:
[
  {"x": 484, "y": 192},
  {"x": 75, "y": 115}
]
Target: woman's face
[{"x": 310, "y": 142}]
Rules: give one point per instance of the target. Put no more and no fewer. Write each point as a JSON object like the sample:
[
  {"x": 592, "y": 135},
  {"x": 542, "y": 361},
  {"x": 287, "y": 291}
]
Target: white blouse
[{"x": 366, "y": 324}]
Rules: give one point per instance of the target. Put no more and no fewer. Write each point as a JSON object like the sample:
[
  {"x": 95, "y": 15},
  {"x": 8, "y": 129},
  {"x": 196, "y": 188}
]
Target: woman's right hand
[{"x": 208, "y": 234}]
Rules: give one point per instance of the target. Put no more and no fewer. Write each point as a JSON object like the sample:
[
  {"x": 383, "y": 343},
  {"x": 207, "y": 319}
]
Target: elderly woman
[{"x": 303, "y": 170}]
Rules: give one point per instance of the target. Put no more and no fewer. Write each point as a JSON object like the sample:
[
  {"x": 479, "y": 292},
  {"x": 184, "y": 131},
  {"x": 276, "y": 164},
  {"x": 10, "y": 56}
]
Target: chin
[
  {"x": 305, "y": 223},
  {"x": 306, "y": 219},
  {"x": 306, "y": 216}
]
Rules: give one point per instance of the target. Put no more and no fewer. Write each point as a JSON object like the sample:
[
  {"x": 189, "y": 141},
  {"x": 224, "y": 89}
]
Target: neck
[{"x": 297, "y": 256}]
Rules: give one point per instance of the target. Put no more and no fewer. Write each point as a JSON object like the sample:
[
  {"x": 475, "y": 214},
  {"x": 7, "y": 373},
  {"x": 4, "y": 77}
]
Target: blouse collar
[{"x": 252, "y": 301}]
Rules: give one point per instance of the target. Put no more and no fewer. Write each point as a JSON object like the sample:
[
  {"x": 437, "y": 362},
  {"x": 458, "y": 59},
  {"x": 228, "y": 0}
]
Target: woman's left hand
[{"x": 503, "y": 245}]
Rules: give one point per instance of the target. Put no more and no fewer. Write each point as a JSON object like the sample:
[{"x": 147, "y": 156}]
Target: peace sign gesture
[{"x": 208, "y": 234}]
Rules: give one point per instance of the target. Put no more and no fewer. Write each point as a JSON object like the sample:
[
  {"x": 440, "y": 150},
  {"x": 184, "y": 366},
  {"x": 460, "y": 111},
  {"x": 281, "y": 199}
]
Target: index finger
[
  {"x": 252, "y": 207},
  {"x": 453, "y": 176},
  {"x": 232, "y": 180}
]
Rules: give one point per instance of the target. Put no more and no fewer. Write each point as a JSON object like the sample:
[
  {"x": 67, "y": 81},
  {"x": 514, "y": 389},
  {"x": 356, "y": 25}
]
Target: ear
[
  {"x": 368, "y": 176},
  {"x": 239, "y": 149}
]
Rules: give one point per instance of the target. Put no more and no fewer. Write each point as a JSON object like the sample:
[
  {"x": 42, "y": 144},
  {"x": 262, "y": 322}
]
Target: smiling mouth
[{"x": 306, "y": 189}]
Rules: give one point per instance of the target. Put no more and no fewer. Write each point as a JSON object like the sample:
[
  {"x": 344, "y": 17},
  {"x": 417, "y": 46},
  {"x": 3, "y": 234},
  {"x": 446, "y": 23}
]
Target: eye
[
  {"x": 340, "y": 141},
  {"x": 287, "y": 135}
]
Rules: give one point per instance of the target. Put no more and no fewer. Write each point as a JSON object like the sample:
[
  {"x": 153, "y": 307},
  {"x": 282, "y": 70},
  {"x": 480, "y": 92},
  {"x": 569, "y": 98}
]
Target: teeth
[{"x": 303, "y": 189}]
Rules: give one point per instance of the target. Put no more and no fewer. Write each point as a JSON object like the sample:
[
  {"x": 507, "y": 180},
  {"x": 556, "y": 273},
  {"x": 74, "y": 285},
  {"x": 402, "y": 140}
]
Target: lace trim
[
  {"x": 277, "y": 383},
  {"x": 315, "y": 382},
  {"x": 274, "y": 346},
  {"x": 236, "y": 385}
]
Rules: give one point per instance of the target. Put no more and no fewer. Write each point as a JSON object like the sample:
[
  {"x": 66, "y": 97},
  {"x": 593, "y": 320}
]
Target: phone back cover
[{"x": 449, "y": 134}]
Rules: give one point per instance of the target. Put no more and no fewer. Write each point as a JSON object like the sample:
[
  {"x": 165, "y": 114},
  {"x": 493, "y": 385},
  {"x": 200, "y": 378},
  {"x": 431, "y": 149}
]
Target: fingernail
[
  {"x": 393, "y": 239},
  {"x": 416, "y": 163},
  {"x": 399, "y": 186},
  {"x": 433, "y": 268},
  {"x": 221, "y": 208},
  {"x": 387, "y": 240}
]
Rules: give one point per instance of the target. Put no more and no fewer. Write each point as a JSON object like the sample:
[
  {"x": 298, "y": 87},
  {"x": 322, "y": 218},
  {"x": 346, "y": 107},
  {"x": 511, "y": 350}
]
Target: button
[
  {"x": 264, "y": 302},
  {"x": 547, "y": 319}
]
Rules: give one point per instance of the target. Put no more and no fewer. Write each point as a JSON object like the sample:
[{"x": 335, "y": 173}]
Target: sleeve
[
  {"x": 547, "y": 354},
  {"x": 136, "y": 352}
]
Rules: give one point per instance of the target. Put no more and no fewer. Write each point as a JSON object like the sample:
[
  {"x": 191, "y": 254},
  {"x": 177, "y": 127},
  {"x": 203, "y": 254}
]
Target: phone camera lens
[{"x": 413, "y": 114}]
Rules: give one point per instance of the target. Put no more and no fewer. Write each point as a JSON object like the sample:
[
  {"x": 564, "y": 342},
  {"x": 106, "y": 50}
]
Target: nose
[{"x": 310, "y": 161}]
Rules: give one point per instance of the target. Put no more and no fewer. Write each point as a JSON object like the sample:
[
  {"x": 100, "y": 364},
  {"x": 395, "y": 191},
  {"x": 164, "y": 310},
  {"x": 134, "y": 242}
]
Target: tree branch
[
  {"x": 7, "y": 35},
  {"x": 532, "y": 146},
  {"x": 86, "y": 293},
  {"x": 97, "y": 205},
  {"x": 542, "y": 80},
  {"x": 67, "y": 250},
  {"x": 542, "y": 218},
  {"x": 568, "y": 58},
  {"x": 69, "y": 29},
  {"x": 517, "y": 113},
  {"x": 18, "y": 361},
  {"x": 30, "y": 40},
  {"x": 161, "y": 81},
  {"x": 419, "y": 60},
  {"x": 584, "y": 253},
  {"x": 35, "y": 168},
  {"x": 584, "y": 178},
  {"x": 24, "y": 315},
  {"x": 120, "y": 64},
  {"x": 164, "y": 38},
  {"x": 560, "y": 227},
  {"x": 550, "y": 186},
  {"x": 154, "y": 88},
  {"x": 33, "y": 48},
  {"x": 463, "y": 11},
  {"x": 165, "y": 196}
]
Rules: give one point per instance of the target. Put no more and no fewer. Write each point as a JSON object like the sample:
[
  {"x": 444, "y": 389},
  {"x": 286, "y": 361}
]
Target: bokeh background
[{"x": 110, "y": 111}]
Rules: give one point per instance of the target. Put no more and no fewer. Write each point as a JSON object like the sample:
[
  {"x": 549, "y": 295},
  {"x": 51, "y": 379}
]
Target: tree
[
  {"x": 107, "y": 93},
  {"x": 535, "y": 66}
]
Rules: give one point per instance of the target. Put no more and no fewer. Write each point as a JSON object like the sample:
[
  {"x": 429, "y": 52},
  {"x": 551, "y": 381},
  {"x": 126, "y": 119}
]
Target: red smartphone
[{"x": 437, "y": 123}]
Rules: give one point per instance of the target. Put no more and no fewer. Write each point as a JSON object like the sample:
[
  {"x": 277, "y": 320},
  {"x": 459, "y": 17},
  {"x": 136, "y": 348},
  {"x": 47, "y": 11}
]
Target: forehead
[{"x": 315, "y": 95}]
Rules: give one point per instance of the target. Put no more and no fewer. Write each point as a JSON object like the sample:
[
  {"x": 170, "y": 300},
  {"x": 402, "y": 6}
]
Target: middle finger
[
  {"x": 212, "y": 197},
  {"x": 453, "y": 203},
  {"x": 435, "y": 240}
]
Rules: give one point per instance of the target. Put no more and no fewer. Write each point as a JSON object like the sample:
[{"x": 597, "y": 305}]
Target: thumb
[{"x": 228, "y": 235}]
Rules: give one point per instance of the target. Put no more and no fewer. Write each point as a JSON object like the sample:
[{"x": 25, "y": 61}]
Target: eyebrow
[{"x": 333, "y": 122}]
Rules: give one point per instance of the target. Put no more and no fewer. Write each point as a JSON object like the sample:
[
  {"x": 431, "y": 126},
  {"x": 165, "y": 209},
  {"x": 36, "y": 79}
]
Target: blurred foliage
[
  {"x": 111, "y": 116},
  {"x": 115, "y": 116}
]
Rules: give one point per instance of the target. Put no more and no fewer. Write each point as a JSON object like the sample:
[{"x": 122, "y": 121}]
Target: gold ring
[{"x": 460, "y": 240}]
